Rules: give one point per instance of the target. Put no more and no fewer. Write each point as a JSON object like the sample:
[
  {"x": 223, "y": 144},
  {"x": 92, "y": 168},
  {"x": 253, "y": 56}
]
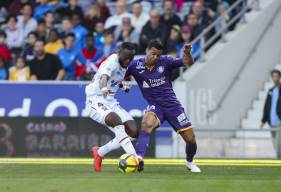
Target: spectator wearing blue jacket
[
  {"x": 68, "y": 56},
  {"x": 79, "y": 31},
  {"x": 41, "y": 9}
]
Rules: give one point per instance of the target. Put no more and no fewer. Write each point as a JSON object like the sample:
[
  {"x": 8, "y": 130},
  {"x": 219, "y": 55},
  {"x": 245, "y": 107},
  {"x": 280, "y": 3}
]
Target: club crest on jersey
[
  {"x": 160, "y": 69},
  {"x": 145, "y": 85}
]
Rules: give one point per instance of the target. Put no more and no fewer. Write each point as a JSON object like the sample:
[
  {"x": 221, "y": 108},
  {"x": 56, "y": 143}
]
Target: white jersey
[{"x": 116, "y": 73}]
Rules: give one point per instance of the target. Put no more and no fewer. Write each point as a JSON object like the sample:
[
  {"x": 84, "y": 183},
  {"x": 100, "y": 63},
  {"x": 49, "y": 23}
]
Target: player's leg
[
  {"x": 101, "y": 112},
  {"x": 151, "y": 120},
  {"x": 130, "y": 128},
  {"x": 190, "y": 149},
  {"x": 181, "y": 124},
  {"x": 113, "y": 120}
]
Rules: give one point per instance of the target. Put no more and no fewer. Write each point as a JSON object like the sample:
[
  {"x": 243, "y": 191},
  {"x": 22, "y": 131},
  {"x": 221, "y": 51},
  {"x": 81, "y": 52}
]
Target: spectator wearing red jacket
[
  {"x": 87, "y": 62},
  {"x": 4, "y": 50}
]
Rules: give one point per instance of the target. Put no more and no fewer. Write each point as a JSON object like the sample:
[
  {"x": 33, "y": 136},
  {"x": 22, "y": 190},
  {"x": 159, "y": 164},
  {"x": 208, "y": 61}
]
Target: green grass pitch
[{"x": 67, "y": 175}]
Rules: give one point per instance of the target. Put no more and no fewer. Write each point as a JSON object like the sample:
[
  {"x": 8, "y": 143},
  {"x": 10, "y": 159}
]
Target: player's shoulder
[
  {"x": 111, "y": 60},
  {"x": 167, "y": 57},
  {"x": 137, "y": 63}
]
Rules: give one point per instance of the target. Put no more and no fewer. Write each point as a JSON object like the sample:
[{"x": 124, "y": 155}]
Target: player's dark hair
[
  {"x": 157, "y": 44},
  {"x": 275, "y": 71},
  {"x": 128, "y": 46}
]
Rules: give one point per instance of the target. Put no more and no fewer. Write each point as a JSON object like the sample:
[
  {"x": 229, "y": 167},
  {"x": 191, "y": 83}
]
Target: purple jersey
[{"x": 156, "y": 85}]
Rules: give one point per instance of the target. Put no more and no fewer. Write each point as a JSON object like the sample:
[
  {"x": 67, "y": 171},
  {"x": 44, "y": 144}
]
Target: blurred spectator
[
  {"x": 169, "y": 17},
  {"x": 68, "y": 56},
  {"x": 79, "y": 31},
  {"x": 126, "y": 32},
  {"x": 42, "y": 30},
  {"x": 14, "y": 34},
  {"x": 66, "y": 26},
  {"x": 104, "y": 11},
  {"x": 87, "y": 59},
  {"x": 221, "y": 9},
  {"x": 3, "y": 69},
  {"x": 99, "y": 29},
  {"x": 49, "y": 19},
  {"x": 45, "y": 66},
  {"x": 121, "y": 11},
  {"x": 139, "y": 18},
  {"x": 204, "y": 19},
  {"x": 17, "y": 5},
  {"x": 3, "y": 14},
  {"x": 174, "y": 40},
  {"x": 25, "y": 21},
  {"x": 20, "y": 72},
  {"x": 54, "y": 43},
  {"x": 92, "y": 17},
  {"x": 110, "y": 44},
  {"x": 186, "y": 37},
  {"x": 153, "y": 29},
  {"x": 71, "y": 9},
  {"x": 192, "y": 23},
  {"x": 28, "y": 51},
  {"x": 4, "y": 50},
  {"x": 272, "y": 106},
  {"x": 41, "y": 9}
]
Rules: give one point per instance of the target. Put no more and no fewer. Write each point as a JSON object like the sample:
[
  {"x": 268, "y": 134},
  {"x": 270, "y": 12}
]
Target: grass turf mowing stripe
[{"x": 208, "y": 162}]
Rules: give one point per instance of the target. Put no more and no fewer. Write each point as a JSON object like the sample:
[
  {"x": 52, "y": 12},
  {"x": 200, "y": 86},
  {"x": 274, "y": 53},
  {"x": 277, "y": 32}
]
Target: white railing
[{"x": 221, "y": 33}]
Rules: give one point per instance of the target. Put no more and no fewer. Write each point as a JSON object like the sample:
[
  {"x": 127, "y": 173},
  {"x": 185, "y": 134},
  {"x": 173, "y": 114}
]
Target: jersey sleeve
[
  {"x": 108, "y": 66},
  {"x": 173, "y": 62}
]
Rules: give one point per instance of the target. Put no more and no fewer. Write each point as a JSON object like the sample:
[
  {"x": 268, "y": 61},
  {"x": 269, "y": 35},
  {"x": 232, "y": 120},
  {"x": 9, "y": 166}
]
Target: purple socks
[{"x": 142, "y": 143}]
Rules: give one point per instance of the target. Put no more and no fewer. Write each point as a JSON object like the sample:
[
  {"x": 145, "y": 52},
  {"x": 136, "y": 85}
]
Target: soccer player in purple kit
[{"x": 153, "y": 75}]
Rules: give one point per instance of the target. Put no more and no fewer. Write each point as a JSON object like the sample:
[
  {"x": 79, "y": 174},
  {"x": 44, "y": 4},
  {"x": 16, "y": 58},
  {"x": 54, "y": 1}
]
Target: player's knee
[
  {"x": 191, "y": 139},
  {"x": 147, "y": 126},
  {"x": 113, "y": 120}
]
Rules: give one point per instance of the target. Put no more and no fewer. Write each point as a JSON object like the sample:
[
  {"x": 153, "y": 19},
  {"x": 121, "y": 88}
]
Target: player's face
[
  {"x": 152, "y": 55},
  {"x": 125, "y": 57}
]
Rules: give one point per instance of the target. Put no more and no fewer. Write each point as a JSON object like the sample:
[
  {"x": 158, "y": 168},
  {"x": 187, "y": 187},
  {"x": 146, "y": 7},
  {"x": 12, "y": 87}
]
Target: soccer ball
[{"x": 128, "y": 163}]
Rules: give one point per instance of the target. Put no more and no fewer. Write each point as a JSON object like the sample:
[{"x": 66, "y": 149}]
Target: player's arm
[
  {"x": 103, "y": 85},
  {"x": 187, "y": 58}
]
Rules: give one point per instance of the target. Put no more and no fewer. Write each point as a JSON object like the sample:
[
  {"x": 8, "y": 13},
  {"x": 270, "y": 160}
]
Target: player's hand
[
  {"x": 125, "y": 88},
  {"x": 187, "y": 49},
  {"x": 104, "y": 92}
]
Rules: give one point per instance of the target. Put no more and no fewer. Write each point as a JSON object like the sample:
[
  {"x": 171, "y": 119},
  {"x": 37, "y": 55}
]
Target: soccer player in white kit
[{"x": 105, "y": 109}]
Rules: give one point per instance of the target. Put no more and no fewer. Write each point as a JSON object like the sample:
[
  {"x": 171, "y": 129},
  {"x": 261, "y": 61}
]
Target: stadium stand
[{"x": 109, "y": 22}]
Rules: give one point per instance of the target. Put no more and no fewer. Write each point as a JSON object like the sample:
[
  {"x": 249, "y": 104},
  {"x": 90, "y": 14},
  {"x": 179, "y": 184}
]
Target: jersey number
[{"x": 102, "y": 106}]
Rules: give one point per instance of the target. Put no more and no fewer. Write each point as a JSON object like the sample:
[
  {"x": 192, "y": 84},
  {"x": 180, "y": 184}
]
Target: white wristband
[{"x": 104, "y": 89}]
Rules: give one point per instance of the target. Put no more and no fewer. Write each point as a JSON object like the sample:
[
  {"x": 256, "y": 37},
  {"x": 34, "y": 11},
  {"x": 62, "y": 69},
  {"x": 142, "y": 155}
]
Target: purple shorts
[{"x": 175, "y": 116}]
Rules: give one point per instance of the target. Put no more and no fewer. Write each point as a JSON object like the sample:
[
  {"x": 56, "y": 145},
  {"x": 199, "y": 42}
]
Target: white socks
[
  {"x": 110, "y": 146},
  {"x": 121, "y": 139}
]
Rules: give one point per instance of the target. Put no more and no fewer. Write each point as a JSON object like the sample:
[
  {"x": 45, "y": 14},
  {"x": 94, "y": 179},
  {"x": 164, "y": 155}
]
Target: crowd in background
[{"x": 68, "y": 40}]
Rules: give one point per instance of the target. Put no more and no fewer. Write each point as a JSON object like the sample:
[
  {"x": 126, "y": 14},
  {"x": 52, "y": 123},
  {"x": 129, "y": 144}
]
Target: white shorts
[{"x": 98, "y": 108}]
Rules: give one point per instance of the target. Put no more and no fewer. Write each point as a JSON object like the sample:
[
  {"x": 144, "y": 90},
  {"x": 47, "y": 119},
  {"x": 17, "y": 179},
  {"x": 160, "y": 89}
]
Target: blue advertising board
[{"x": 57, "y": 99}]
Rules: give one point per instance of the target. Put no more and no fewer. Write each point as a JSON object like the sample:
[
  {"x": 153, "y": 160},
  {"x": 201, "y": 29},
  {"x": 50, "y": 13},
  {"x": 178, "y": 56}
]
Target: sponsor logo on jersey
[
  {"x": 140, "y": 65},
  {"x": 145, "y": 85},
  {"x": 157, "y": 82}
]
